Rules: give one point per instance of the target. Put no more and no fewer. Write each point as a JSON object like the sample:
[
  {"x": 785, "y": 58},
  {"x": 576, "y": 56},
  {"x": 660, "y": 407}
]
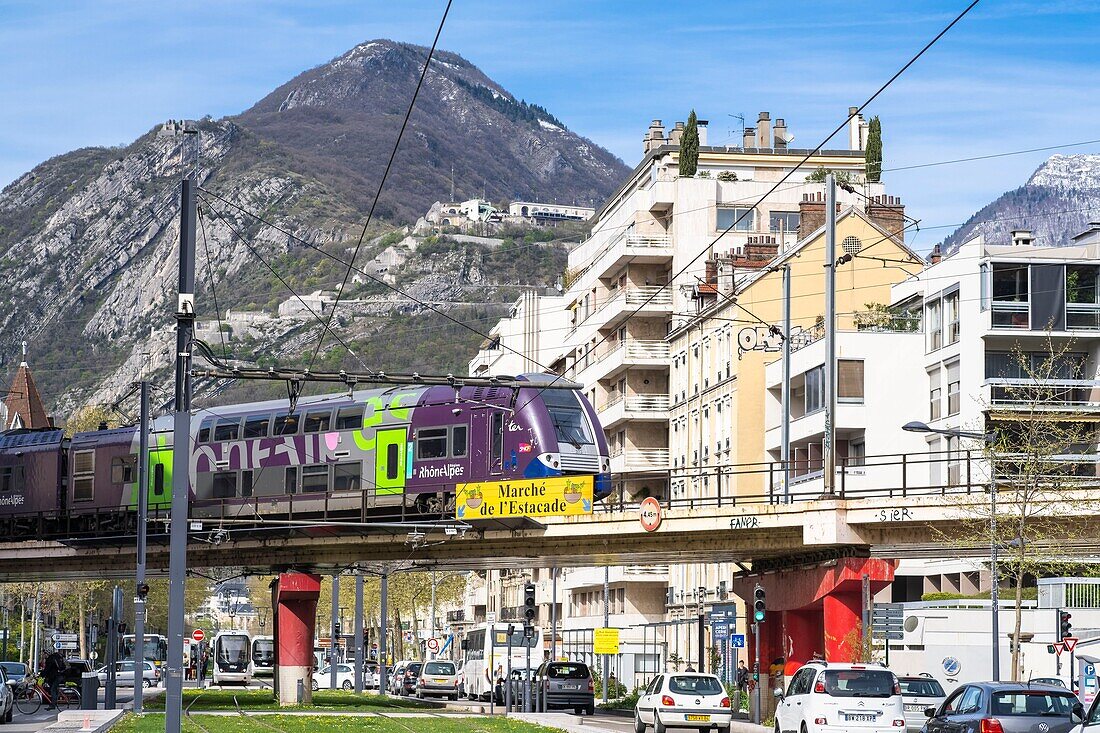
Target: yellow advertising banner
[
  {"x": 557, "y": 496},
  {"x": 605, "y": 641}
]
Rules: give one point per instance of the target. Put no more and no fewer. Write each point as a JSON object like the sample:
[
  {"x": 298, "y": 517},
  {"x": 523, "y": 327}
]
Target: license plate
[
  {"x": 914, "y": 708},
  {"x": 571, "y": 687},
  {"x": 440, "y": 682},
  {"x": 859, "y": 718},
  {"x": 699, "y": 718}
]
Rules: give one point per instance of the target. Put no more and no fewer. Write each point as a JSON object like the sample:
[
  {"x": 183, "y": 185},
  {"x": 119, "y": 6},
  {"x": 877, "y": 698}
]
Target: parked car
[
  {"x": 74, "y": 671},
  {"x": 1009, "y": 707},
  {"x": 7, "y": 696},
  {"x": 408, "y": 679},
  {"x": 840, "y": 697},
  {"x": 683, "y": 700},
  {"x": 1091, "y": 723},
  {"x": 124, "y": 674},
  {"x": 438, "y": 677},
  {"x": 397, "y": 676},
  {"x": 565, "y": 685},
  {"x": 15, "y": 671},
  {"x": 345, "y": 678},
  {"x": 917, "y": 695}
]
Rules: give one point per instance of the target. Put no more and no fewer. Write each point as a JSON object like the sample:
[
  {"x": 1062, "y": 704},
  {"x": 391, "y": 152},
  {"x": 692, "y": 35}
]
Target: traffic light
[
  {"x": 529, "y": 610},
  {"x": 142, "y": 590},
  {"x": 759, "y": 603},
  {"x": 338, "y": 628},
  {"x": 1065, "y": 628}
]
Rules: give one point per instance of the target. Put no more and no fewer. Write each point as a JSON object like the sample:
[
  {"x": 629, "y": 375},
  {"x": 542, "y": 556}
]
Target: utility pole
[
  {"x": 607, "y": 616},
  {"x": 828, "y": 444},
  {"x": 360, "y": 654},
  {"x": 177, "y": 559},
  {"x": 112, "y": 651},
  {"x": 431, "y": 624},
  {"x": 335, "y": 632},
  {"x": 383, "y": 603},
  {"x": 785, "y": 450},
  {"x": 757, "y": 699},
  {"x": 142, "y": 518},
  {"x": 553, "y": 615}
]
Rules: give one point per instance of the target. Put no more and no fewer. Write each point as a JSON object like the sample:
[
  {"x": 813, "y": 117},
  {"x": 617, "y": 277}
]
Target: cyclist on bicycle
[{"x": 54, "y": 672}]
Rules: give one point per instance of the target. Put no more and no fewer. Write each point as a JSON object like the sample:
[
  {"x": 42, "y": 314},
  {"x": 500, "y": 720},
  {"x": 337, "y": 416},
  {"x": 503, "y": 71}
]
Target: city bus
[
  {"x": 231, "y": 650},
  {"x": 486, "y": 650},
  {"x": 156, "y": 648}
]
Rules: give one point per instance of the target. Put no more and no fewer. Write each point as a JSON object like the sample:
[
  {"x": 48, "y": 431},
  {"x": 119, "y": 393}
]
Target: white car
[
  {"x": 345, "y": 678},
  {"x": 834, "y": 697},
  {"x": 683, "y": 700},
  {"x": 7, "y": 697}
]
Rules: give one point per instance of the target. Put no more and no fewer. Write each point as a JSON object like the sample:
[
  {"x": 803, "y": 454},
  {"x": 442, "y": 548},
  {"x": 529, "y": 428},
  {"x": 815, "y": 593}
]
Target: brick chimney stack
[
  {"x": 889, "y": 213},
  {"x": 935, "y": 256},
  {"x": 811, "y": 213}
]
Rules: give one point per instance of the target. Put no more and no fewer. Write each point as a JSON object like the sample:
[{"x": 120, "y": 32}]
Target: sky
[{"x": 1012, "y": 75}]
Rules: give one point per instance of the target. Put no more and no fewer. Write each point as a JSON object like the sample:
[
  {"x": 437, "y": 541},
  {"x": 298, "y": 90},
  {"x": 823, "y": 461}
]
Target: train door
[
  {"x": 389, "y": 462},
  {"x": 487, "y": 445}
]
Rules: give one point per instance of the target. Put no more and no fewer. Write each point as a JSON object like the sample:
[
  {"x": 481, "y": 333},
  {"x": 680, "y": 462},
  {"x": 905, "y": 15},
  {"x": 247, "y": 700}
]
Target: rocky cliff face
[
  {"x": 1059, "y": 199},
  {"x": 89, "y": 240}
]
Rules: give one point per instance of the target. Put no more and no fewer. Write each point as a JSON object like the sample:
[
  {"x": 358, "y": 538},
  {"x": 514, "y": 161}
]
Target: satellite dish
[{"x": 911, "y": 623}]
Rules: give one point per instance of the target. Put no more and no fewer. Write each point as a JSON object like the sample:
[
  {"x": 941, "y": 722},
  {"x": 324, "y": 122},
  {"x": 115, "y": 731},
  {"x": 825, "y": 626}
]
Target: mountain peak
[{"x": 1068, "y": 171}]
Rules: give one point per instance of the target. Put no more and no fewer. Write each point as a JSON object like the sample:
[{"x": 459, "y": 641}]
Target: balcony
[
  {"x": 1074, "y": 396},
  {"x": 456, "y": 616},
  {"x": 619, "y": 409},
  {"x": 629, "y": 247},
  {"x": 652, "y": 301},
  {"x": 615, "y": 357},
  {"x": 639, "y": 460}
]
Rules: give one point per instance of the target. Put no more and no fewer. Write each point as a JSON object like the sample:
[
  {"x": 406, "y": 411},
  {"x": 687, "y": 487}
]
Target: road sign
[
  {"x": 1059, "y": 647},
  {"x": 66, "y": 637},
  {"x": 1070, "y": 642},
  {"x": 720, "y": 629},
  {"x": 198, "y": 634},
  {"x": 93, "y": 656},
  {"x": 605, "y": 641},
  {"x": 57, "y": 645},
  {"x": 649, "y": 514},
  {"x": 433, "y": 645},
  {"x": 737, "y": 641}
]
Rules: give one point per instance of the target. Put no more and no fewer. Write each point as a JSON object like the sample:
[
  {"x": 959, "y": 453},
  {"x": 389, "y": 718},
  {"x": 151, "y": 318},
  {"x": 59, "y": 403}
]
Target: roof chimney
[
  {"x": 780, "y": 135},
  {"x": 764, "y": 130},
  {"x": 1022, "y": 238},
  {"x": 654, "y": 137},
  {"x": 857, "y": 130},
  {"x": 935, "y": 256},
  {"x": 701, "y": 130},
  {"x": 750, "y": 138},
  {"x": 675, "y": 134}
]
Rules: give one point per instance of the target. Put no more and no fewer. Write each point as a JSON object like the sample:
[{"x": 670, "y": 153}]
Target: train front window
[{"x": 570, "y": 423}]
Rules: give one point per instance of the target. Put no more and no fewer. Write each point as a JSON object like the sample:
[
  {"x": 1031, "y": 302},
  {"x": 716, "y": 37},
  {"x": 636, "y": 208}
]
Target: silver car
[
  {"x": 124, "y": 674},
  {"x": 438, "y": 677},
  {"x": 7, "y": 697},
  {"x": 917, "y": 695}
]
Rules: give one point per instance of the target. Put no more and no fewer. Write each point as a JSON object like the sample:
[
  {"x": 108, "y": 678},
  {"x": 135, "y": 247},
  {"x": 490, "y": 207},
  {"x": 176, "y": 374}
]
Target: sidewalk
[{"x": 585, "y": 724}]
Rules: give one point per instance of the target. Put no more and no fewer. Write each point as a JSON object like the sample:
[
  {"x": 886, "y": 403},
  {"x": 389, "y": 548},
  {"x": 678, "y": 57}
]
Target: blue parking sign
[{"x": 737, "y": 641}]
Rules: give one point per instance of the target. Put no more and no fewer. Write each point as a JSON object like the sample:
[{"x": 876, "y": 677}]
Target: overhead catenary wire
[
  {"x": 381, "y": 183},
  {"x": 857, "y": 110}
]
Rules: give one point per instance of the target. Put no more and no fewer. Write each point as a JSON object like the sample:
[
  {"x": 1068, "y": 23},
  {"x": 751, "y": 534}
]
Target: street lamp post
[{"x": 987, "y": 438}]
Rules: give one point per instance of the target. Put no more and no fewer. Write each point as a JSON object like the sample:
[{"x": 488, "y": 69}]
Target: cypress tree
[
  {"x": 689, "y": 147},
  {"x": 873, "y": 157}
]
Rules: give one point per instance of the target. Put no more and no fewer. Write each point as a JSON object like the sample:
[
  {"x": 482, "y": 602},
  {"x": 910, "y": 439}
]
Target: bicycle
[{"x": 29, "y": 697}]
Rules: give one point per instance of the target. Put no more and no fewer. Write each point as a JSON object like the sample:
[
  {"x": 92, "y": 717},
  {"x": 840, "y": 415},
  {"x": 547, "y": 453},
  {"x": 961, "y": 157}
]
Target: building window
[
  {"x": 934, "y": 317},
  {"x": 954, "y": 466},
  {"x": 849, "y": 380},
  {"x": 935, "y": 403},
  {"x": 740, "y": 219},
  {"x": 857, "y": 454},
  {"x": 953, "y": 405},
  {"x": 951, "y": 316},
  {"x": 815, "y": 390},
  {"x": 1010, "y": 296},
  {"x": 784, "y": 221},
  {"x": 1083, "y": 297}
]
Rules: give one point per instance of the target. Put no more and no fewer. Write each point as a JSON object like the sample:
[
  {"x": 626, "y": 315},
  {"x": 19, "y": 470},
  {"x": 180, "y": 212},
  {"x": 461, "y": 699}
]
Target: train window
[
  {"x": 290, "y": 480},
  {"x": 349, "y": 418},
  {"x": 227, "y": 429},
  {"x": 346, "y": 476},
  {"x": 391, "y": 461},
  {"x": 286, "y": 424},
  {"x": 246, "y": 483},
  {"x": 204, "y": 430},
  {"x": 496, "y": 440},
  {"x": 11, "y": 478},
  {"x": 317, "y": 422},
  {"x": 225, "y": 484},
  {"x": 158, "y": 479},
  {"x": 458, "y": 441},
  {"x": 83, "y": 475},
  {"x": 314, "y": 478},
  {"x": 122, "y": 469},
  {"x": 257, "y": 426},
  {"x": 431, "y": 443}
]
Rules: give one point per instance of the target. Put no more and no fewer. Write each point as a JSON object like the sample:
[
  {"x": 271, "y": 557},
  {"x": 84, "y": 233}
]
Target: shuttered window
[
  {"x": 83, "y": 475},
  {"x": 849, "y": 386}
]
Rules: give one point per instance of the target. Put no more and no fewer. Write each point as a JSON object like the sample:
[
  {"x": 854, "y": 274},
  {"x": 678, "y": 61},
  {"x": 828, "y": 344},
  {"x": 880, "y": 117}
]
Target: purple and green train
[{"x": 346, "y": 454}]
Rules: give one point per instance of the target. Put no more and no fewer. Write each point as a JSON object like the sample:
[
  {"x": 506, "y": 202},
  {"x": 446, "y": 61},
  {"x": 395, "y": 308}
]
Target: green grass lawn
[
  {"x": 197, "y": 700},
  {"x": 313, "y": 724}
]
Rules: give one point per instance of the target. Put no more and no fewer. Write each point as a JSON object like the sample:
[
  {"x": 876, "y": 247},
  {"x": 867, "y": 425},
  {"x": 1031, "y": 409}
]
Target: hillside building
[{"x": 547, "y": 214}]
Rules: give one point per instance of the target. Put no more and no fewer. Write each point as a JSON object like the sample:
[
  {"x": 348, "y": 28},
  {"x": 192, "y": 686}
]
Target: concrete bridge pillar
[
  {"x": 294, "y": 606},
  {"x": 842, "y": 611}
]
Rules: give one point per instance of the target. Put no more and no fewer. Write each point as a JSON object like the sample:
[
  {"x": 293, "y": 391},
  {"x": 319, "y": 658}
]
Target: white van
[{"x": 834, "y": 697}]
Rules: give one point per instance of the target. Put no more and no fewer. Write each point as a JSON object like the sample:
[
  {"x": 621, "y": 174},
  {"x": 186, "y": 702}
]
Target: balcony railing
[
  {"x": 1010, "y": 314},
  {"x": 638, "y": 403},
  {"x": 456, "y": 616},
  {"x": 639, "y": 459},
  {"x": 1083, "y": 316},
  {"x": 636, "y": 349},
  {"x": 1045, "y": 394}
]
